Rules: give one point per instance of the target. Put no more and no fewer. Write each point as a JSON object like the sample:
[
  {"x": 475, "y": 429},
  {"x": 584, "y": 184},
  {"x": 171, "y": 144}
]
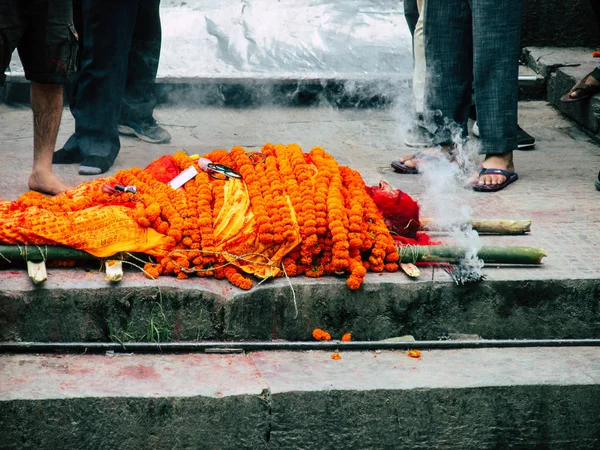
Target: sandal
[
  {"x": 400, "y": 167},
  {"x": 510, "y": 177},
  {"x": 584, "y": 91}
]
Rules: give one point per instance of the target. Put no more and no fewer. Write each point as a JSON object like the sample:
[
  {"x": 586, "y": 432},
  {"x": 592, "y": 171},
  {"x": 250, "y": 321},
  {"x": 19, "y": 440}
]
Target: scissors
[{"x": 217, "y": 171}]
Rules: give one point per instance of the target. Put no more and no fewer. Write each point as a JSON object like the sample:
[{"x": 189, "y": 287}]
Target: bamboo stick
[
  {"x": 484, "y": 226},
  {"x": 490, "y": 255},
  {"x": 408, "y": 254},
  {"x": 14, "y": 253}
]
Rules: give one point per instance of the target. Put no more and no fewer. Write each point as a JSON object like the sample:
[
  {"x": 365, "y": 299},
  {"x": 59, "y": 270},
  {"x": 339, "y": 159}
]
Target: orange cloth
[{"x": 100, "y": 230}]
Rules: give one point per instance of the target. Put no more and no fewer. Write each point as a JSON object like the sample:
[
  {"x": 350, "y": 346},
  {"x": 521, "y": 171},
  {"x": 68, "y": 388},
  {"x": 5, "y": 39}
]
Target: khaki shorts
[{"x": 43, "y": 33}]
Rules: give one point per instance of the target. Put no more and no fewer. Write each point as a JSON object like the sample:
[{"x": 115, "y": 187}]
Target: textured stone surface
[
  {"x": 458, "y": 399},
  {"x": 385, "y": 306},
  {"x": 559, "y": 23},
  {"x": 587, "y": 112},
  {"x": 545, "y": 60},
  {"x": 555, "y": 191}
]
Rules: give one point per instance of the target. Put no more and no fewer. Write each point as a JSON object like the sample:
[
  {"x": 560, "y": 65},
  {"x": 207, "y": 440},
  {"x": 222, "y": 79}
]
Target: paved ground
[
  {"x": 71, "y": 376},
  {"x": 556, "y": 190},
  {"x": 451, "y": 399}
]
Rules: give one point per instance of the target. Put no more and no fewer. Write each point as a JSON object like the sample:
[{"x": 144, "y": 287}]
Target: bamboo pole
[
  {"x": 12, "y": 253},
  {"x": 484, "y": 226},
  {"x": 489, "y": 255},
  {"x": 408, "y": 254}
]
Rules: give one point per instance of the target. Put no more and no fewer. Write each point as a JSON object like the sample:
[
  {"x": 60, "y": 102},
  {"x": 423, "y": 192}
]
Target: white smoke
[{"x": 448, "y": 195}]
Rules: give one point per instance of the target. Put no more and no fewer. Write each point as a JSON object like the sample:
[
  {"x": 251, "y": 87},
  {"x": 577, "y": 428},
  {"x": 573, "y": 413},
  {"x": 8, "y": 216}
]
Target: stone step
[
  {"x": 451, "y": 399},
  {"x": 338, "y": 89},
  {"x": 77, "y": 305},
  {"x": 562, "y": 68}
]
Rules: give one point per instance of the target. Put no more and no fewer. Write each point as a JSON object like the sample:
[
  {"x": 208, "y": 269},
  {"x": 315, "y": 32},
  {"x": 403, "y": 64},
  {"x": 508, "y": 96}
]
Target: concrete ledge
[
  {"x": 74, "y": 307},
  {"x": 586, "y": 113},
  {"x": 346, "y": 90},
  {"x": 561, "y": 68},
  {"x": 349, "y": 90},
  {"x": 455, "y": 399},
  {"x": 546, "y": 60}
]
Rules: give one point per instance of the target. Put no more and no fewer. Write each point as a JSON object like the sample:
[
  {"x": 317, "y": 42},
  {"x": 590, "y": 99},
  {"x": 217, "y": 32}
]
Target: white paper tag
[{"x": 183, "y": 177}]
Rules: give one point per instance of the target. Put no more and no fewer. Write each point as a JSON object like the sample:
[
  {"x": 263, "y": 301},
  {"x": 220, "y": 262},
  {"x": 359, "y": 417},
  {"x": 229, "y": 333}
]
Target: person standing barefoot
[{"x": 45, "y": 37}]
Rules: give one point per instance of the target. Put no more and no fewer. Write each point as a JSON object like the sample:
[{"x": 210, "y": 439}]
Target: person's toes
[
  {"x": 409, "y": 161},
  {"x": 47, "y": 183}
]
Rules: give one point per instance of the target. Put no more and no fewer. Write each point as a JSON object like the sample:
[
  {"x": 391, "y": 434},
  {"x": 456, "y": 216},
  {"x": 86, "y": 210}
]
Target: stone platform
[
  {"x": 494, "y": 398},
  {"x": 451, "y": 399},
  {"x": 556, "y": 191}
]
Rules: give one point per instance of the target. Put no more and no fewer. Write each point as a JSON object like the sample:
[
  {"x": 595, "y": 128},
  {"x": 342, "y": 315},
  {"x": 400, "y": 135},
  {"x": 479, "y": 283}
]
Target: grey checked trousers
[{"x": 473, "y": 44}]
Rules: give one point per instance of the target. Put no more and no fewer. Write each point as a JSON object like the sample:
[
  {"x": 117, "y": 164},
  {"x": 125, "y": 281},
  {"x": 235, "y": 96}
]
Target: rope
[
  {"x": 410, "y": 251},
  {"x": 5, "y": 258}
]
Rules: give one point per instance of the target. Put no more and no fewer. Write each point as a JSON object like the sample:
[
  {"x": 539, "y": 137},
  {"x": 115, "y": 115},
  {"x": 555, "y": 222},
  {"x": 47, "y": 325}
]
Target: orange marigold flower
[
  {"x": 347, "y": 337},
  {"x": 414, "y": 353},
  {"x": 336, "y": 356},
  {"x": 321, "y": 335}
]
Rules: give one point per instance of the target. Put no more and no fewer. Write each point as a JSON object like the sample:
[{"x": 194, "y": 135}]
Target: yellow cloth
[{"x": 236, "y": 234}]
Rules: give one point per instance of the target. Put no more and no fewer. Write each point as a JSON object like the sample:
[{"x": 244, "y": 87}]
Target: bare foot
[
  {"x": 414, "y": 159},
  {"x": 47, "y": 183},
  {"x": 503, "y": 162}
]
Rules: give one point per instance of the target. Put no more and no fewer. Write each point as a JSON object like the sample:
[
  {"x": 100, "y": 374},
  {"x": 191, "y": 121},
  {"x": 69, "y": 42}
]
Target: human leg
[
  {"x": 449, "y": 74},
  {"x": 419, "y": 57},
  {"x": 417, "y": 136},
  {"x": 107, "y": 33},
  {"x": 411, "y": 14},
  {"x": 496, "y": 39},
  {"x": 139, "y": 102},
  {"x": 46, "y": 104},
  {"x": 47, "y": 48},
  {"x": 447, "y": 44}
]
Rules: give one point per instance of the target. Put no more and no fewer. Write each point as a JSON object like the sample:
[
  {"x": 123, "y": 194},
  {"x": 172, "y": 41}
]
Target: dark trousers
[
  {"x": 411, "y": 14},
  {"x": 473, "y": 44},
  {"x": 120, "y": 51}
]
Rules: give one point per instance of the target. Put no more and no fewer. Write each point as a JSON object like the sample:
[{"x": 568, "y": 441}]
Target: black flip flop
[{"x": 510, "y": 178}]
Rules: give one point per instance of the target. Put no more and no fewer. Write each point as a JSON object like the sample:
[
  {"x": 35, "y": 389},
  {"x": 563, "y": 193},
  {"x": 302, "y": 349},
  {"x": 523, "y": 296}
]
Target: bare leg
[{"x": 46, "y": 104}]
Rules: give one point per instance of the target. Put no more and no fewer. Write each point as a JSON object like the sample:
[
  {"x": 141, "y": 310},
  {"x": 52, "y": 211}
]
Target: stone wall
[{"x": 560, "y": 23}]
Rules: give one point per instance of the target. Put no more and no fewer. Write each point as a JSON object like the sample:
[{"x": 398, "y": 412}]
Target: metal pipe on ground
[{"x": 238, "y": 347}]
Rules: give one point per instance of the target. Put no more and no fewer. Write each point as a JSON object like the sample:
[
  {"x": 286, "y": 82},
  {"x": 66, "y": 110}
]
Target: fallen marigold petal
[
  {"x": 318, "y": 334},
  {"x": 414, "y": 353},
  {"x": 336, "y": 356}
]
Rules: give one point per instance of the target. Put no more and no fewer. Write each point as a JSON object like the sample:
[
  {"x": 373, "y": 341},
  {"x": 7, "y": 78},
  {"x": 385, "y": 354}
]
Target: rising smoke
[{"x": 448, "y": 195}]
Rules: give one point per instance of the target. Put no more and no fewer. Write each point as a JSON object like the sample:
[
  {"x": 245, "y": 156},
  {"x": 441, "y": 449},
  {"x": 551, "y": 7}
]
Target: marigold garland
[{"x": 341, "y": 229}]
